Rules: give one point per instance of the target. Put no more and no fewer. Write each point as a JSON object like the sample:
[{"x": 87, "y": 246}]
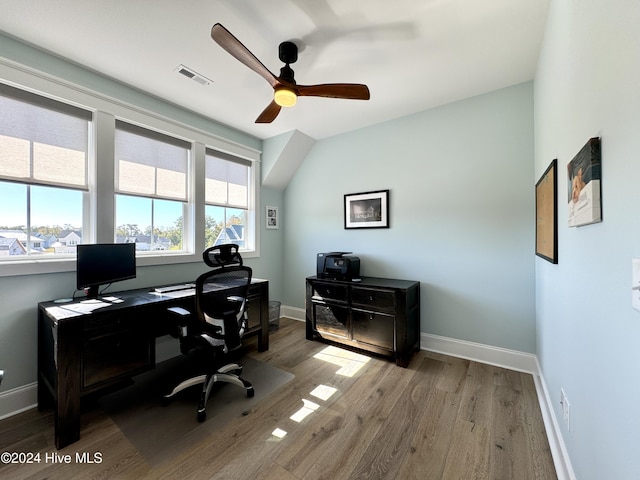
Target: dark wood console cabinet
[{"x": 379, "y": 315}]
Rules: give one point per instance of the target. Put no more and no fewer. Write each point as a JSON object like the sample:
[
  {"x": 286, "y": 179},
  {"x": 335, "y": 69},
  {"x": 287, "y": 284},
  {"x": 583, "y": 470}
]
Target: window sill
[{"x": 68, "y": 264}]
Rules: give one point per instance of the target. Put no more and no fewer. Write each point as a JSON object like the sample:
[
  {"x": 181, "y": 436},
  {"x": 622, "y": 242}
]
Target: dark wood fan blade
[
  {"x": 231, "y": 44},
  {"x": 353, "y": 91},
  {"x": 270, "y": 113}
]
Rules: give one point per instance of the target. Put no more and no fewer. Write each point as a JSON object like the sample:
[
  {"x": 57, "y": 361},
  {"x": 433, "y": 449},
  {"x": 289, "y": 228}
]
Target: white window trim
[{"x": 101, "y": 221}]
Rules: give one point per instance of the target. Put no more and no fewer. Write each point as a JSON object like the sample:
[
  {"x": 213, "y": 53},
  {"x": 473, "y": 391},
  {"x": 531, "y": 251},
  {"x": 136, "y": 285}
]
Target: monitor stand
[{"x": 93, "y": 291}]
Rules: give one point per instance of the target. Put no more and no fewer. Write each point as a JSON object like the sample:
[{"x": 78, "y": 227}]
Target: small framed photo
[
  {"x": 366, "y": 210},
  {"x": 272, "y": 218}
]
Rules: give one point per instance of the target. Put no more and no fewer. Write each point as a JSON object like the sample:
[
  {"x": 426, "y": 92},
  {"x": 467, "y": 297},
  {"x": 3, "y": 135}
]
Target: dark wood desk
[{"x": 85, "y": 346}]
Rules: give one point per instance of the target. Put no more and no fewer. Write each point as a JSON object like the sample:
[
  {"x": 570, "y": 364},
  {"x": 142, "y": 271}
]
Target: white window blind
[
  {"x": 150, "y": 164},
  {"x": 43, "y": 142},
  {"x": 227, "y": 180}
]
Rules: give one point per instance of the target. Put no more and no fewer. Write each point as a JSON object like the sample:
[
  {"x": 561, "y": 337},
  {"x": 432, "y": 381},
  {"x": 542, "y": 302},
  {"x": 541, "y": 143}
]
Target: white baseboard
[
  {"x": 18, "y": 400},
  {"x": 561, "y": 460},
  {"x": 500, "y": 357},
  {"x": 295, "y": 313}
]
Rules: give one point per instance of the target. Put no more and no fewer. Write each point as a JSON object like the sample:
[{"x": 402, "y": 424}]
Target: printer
[{"x": 338, "y": 266}]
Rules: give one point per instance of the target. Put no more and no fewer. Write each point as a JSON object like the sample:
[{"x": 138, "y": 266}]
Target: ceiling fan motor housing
[{"x": 288, "y": 52}]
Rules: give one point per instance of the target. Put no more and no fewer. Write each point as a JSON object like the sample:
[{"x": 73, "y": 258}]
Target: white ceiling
[{"x": 413, "y": 54}]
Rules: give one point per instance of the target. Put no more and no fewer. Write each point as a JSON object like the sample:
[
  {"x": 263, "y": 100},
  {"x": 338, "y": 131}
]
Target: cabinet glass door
[{"x": 331, "y": 319}]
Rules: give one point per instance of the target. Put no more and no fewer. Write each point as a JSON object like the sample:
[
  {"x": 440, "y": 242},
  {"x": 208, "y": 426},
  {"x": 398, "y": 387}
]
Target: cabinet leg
[
  {"x": 403, "y": 361},
  {"x": 310, "y": 335}
]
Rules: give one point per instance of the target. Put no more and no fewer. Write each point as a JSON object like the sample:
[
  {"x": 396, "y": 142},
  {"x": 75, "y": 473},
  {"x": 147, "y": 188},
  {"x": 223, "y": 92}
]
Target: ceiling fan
[{"x": 286, "y": 91}]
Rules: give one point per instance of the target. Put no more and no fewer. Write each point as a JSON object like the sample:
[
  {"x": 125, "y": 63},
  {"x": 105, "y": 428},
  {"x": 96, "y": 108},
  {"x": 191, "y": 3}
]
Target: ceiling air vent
[{"x": 195, "y": 76}]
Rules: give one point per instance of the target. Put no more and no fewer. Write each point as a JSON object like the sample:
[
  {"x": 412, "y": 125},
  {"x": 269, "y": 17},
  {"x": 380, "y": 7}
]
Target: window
[
  {"x": 44, "y": 186},
  {"x": 72, "y": 175},
  {"x": 151, "y": 188},
  {"x": 227, "y": 200}
]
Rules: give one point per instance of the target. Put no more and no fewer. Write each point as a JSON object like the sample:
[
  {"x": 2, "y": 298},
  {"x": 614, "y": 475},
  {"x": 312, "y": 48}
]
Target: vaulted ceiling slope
[{"x": 412, "y": 54}]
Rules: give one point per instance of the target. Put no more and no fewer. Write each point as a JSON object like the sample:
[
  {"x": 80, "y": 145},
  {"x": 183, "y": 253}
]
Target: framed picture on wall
[
  {"x": 366, "y": 210},
  {"x": 272, "y": 221},
  {"x": 583, "y": 185},
  {"x": 547, "y": 214}
]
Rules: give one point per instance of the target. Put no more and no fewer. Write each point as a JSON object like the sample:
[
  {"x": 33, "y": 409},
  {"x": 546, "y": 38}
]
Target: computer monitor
[{"x": 104, "y": 263}]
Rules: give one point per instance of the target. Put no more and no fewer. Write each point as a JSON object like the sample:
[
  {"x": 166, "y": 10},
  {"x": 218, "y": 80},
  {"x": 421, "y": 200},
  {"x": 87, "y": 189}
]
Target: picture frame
[
  {"x": 366, "y": 210},
  {"x": 547, "y": 214},
  {"x": 271, "y": 218},
  {"x": 584, "y": 185}
]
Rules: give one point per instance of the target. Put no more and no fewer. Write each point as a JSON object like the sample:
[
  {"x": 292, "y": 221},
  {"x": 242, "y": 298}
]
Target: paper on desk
[
  {"x": 75, "y": 309},
  {"x": 176, "y": 293}
]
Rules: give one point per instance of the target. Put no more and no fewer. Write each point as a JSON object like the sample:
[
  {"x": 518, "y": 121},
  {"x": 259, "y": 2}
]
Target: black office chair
[{"x": 216, "y": 327}]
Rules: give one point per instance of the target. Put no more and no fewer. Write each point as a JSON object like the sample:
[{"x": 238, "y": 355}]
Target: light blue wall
[
  {"x": 19, "y": 295},
  {"x": 587, "y": 85},
  {"x": 461, "y": 213}
]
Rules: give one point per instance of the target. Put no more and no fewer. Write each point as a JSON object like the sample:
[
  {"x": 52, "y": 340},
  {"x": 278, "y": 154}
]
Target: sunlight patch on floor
[
  {"x": 307, "y": 409},
  {"x": 278, "y": 434},
  {"x": 323, "y": 392},
  {"x": 349, "y": 362}
]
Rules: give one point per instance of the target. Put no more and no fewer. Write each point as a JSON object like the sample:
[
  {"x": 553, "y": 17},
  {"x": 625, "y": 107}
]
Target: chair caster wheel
[
  {"x": 202, "y": 416},
  {"x": 250, "y": 392}
]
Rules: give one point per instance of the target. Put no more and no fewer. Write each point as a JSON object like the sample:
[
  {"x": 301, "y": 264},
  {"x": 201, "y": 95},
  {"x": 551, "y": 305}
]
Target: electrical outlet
[
  {"x": 635, "y": 283},
  {"x": 566, "y": 409}
]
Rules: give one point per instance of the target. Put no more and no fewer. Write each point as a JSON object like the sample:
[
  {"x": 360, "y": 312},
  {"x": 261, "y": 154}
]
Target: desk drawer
[
  {"x": 254, "y": 289},
  {"x": 373, "y": 298},
  {"x": 374, "y": 329},
  {"x": 115, "y": 346},
  {"x": 108, "y": 324},
  {"x": 110, "y": 357},
  {"x": 330, "y": 291}
]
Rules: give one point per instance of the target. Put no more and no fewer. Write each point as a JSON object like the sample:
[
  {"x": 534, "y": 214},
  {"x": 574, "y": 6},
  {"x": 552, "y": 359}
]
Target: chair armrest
[
  {"x": 183, "y": 312},
  {"x": 182, "y": 316}
]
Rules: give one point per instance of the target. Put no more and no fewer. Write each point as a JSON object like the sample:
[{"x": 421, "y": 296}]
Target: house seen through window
[
  {"x": 227, "y": 199},
  {"x": 43, "y": 174}
]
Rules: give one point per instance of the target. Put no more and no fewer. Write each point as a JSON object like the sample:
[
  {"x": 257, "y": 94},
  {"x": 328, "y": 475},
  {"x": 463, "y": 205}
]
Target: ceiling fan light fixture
[{"x": 285, "y": 97}]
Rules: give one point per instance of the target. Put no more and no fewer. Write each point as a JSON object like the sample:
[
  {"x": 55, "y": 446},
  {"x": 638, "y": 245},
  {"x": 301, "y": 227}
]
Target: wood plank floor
[{"x": 344, "y": 416}]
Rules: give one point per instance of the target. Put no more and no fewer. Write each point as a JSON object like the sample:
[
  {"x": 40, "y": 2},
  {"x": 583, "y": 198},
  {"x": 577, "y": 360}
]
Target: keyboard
[{"x": 174, "y": 288}]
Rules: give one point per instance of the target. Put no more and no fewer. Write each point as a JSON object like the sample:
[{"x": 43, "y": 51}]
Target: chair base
[{"x": 223, "y": 374}]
